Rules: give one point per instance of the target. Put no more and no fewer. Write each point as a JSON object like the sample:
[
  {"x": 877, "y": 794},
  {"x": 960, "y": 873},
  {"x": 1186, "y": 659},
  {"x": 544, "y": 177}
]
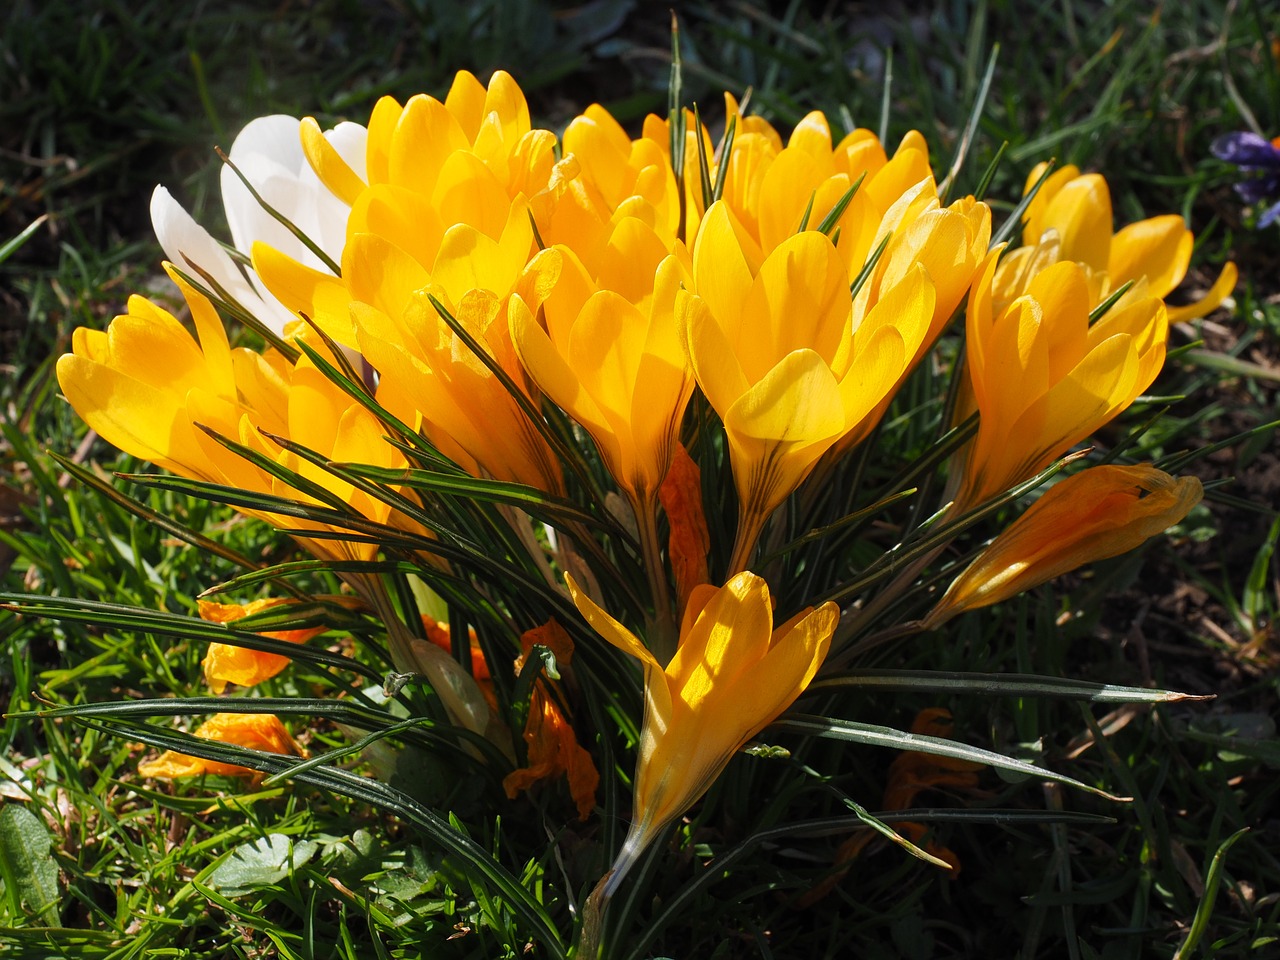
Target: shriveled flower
[
  {"x": 1044, "y": 378},
  {"x": 255, "y": 731},
  {"x": 1259, "y": 159},
  {"x": 732, "y": 675},
  {"x": 226, "y": 663},
  {"x": 689, "y": 540},
  {"x": 553, "y": 748},
  {"x": 1101, "y": 512},
  {"x": 911, "y": 774}
]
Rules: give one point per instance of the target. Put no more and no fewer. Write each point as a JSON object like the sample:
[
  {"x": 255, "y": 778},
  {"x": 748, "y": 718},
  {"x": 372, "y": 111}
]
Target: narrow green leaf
[
  {"x": 89, "y": 479},
  {"x": 1204, "y": 910},
  {"x": 281, "y": 219},
  {"x": 971, "y": 127},
  {"x": 998, "y": 684},
  {"x": 836, "y": 212},
  {"x": 1013, "y": 223},
  {"x": 119, "y": 617},
  {"x": 13, "y": 244},
  {"x": 1098, "y": 312},
  {"x": 877, "y": 736}
]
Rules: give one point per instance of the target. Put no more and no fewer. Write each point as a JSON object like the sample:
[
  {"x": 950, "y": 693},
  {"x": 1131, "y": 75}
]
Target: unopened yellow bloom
[
  {"x": 732, "y": 675},
  {"x": 610, "y": 354},
  {"x": 429, "y": 166},
  {"x": 256, "y": 731},
  {"x": 1101, "y": 512},
  {"x": 428, "y": 373},
  {"x": 1070, "y": 218},
  {"x": 1044, "y": 379},
  {"x": 774, "y": 350}
]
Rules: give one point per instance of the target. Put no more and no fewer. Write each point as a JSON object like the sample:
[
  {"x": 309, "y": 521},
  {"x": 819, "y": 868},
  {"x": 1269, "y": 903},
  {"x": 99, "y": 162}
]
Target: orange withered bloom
[
  {"x": 226, "y": 663},
  {"x": 552, "y": 745},
  {"x": 910, "y": 774},
  {"x": 689, "y": 541},
  {"x": 255, "y": 731}
]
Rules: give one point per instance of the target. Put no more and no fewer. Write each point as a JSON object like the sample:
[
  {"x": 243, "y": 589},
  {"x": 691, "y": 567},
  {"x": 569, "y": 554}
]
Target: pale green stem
[
  {"x": 744, "y": 545},
  {"x": 851, "y": 626},
  {"x": 664, "y": 635}
]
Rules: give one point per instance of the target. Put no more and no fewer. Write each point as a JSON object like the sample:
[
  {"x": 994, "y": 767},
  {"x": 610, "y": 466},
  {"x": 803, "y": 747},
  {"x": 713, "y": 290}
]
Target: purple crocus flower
[{"x": 1260, "y": 158}]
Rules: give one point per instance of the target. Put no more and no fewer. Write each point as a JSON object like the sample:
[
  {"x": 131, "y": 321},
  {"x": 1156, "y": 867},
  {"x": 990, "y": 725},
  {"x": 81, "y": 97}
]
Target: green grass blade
[{"x": 1204, "y": 910}]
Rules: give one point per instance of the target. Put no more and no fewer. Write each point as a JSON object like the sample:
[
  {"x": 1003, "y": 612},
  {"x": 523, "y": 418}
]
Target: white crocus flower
[{"x": 268, "y": 151}]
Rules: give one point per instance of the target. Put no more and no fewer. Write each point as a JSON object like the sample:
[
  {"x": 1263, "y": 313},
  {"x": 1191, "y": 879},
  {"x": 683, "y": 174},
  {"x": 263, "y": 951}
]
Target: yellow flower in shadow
[
  {"x": 1101, "y": 512},
  {"x": 732, "y": 675},
  {"x": 1044, "y": 378}
]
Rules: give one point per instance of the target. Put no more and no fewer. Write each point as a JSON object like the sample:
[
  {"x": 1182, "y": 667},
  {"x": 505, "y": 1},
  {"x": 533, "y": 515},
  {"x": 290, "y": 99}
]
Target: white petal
[
  {"x": 350, "y": 140},
  {"x": 185, "y": 242}
]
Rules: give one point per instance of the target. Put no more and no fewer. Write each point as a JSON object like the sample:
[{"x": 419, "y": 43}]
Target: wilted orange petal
[
  {"x": 552, "y": 745},
  {"x": 910, "y": 774},
  {"x": 255, "y": 731},
  {"x": 226, "y": 663},
  {"x": 689, "y": 540}
]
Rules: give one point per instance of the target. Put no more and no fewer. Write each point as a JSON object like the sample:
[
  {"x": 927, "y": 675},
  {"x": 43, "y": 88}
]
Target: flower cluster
[{"x": 571, "y": 331}]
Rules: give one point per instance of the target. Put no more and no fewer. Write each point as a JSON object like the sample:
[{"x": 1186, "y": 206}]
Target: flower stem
[
  {"x": 664, "y": 633},
  {"x": 749, "y": 527},
  {"x": 593, "y": 921}
]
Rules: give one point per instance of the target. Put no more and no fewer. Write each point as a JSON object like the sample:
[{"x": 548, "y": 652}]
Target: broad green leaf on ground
[
  {"x": 260, "y": 863},
  {"x": 27, "y": 866}
]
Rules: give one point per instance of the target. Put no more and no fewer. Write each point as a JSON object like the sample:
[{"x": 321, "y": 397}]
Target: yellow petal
[
  {"x": 334, "y": 172},
  {"x": 1158, "y": 249},
  {"x": 1098, "y": 513}
]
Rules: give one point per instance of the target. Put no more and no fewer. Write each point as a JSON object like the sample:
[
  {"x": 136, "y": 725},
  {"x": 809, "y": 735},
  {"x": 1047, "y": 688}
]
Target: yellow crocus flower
[
  {"x": 732, "y": 675},
  {"x": 1101, "y": 512},
  {"x": 428, "y": 373},
  {"x": 428, "y": 166},
  {"x": 144, "y": 383},
  {"x": 1044, "y": 378},
  {"x": 773, "y": 347},
  {"x": 411, "y": 146},
  {"x": 1072, "y": 214},
  {"x": 610, "y": 353}
]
